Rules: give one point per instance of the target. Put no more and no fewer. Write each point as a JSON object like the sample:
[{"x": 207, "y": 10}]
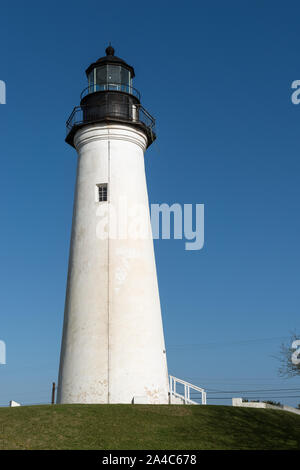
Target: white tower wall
[{"x": 113, "y": 345}]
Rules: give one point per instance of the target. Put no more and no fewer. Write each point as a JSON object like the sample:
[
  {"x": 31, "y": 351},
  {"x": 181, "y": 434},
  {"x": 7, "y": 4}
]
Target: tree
[
  {"x": 274, "y": 403},
  {"x": 288, "y": 366}
]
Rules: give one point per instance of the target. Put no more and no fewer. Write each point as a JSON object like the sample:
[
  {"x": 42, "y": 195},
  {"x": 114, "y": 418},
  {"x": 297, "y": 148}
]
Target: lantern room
[
  {"x": 109, "y": 98},
  {"x": 110, "y": 73}
]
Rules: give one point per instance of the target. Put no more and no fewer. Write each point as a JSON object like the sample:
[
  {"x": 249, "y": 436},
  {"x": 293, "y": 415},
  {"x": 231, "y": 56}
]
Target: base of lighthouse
[{"x": 113, "y": 348}]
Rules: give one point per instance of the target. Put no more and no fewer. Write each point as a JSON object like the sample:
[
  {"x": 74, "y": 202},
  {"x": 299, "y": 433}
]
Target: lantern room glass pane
[
  {"x": 114, "y": 76},
  {"x": 125, "y": 80},
  {"x": 91, "y": 81},
  {"x": 101, "y": 75}
]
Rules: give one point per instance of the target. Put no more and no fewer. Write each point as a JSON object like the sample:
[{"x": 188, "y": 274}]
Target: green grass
[{"x": 147, "y": 427}]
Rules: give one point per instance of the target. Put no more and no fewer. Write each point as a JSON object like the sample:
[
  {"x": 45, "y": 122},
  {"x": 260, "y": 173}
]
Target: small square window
[{"x": 102, "y": 192}]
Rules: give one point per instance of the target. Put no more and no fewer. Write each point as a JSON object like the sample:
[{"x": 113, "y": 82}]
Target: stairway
[{"x": 180, "y": 393}]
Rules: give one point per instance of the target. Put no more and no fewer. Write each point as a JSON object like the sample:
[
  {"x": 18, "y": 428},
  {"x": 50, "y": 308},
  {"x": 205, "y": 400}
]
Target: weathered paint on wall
[{"x": 113, "y": 344}]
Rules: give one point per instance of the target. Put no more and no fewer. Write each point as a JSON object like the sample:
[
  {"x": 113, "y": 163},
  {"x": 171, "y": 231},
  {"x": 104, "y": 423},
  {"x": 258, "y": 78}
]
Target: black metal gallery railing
[
  {"x": 129, "y": 113},
  {"x": 93, "y": 87}
]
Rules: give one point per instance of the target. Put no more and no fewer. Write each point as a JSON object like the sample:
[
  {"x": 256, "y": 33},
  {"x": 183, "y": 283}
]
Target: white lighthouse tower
[{"x": 113, "y": 347}]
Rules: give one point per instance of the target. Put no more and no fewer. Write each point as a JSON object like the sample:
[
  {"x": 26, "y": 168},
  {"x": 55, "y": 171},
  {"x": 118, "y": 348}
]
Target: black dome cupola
[
  {"x": 110, "y": 50},
  {"x": 110, "y": 97},
  {"x": 121, "y": 67}
]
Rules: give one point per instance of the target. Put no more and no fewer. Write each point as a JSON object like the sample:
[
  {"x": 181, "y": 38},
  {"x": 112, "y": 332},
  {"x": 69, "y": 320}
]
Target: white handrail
[{"x": 187, "y": 388}]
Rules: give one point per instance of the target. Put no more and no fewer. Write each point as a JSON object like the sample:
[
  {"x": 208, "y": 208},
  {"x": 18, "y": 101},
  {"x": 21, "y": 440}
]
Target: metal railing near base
[{"x": 185, "y": 397}]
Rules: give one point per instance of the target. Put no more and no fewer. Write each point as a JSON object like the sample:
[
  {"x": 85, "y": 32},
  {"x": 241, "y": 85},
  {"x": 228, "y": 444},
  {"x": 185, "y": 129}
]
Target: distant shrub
[
  {"x": 274, "y": 403},
  {"x": 245, "y": 400}
]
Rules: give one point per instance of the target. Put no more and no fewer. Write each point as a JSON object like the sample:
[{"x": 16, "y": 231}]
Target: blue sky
[{"x": 217, "y": 77}]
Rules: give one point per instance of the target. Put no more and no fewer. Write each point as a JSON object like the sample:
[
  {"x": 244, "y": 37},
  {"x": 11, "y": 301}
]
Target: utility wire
[
  {"x": 254, "y": 391},
  {"x": 228, "y": 398},
  {"x": 227, "y": 343}
]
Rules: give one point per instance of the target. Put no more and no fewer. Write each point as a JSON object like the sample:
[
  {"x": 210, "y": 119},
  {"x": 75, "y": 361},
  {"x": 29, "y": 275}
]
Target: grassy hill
[{"x": 147, "y": 427}]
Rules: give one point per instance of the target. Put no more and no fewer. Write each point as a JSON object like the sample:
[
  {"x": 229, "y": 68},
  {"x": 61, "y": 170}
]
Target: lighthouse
[{"x": 113, "y": 348}]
